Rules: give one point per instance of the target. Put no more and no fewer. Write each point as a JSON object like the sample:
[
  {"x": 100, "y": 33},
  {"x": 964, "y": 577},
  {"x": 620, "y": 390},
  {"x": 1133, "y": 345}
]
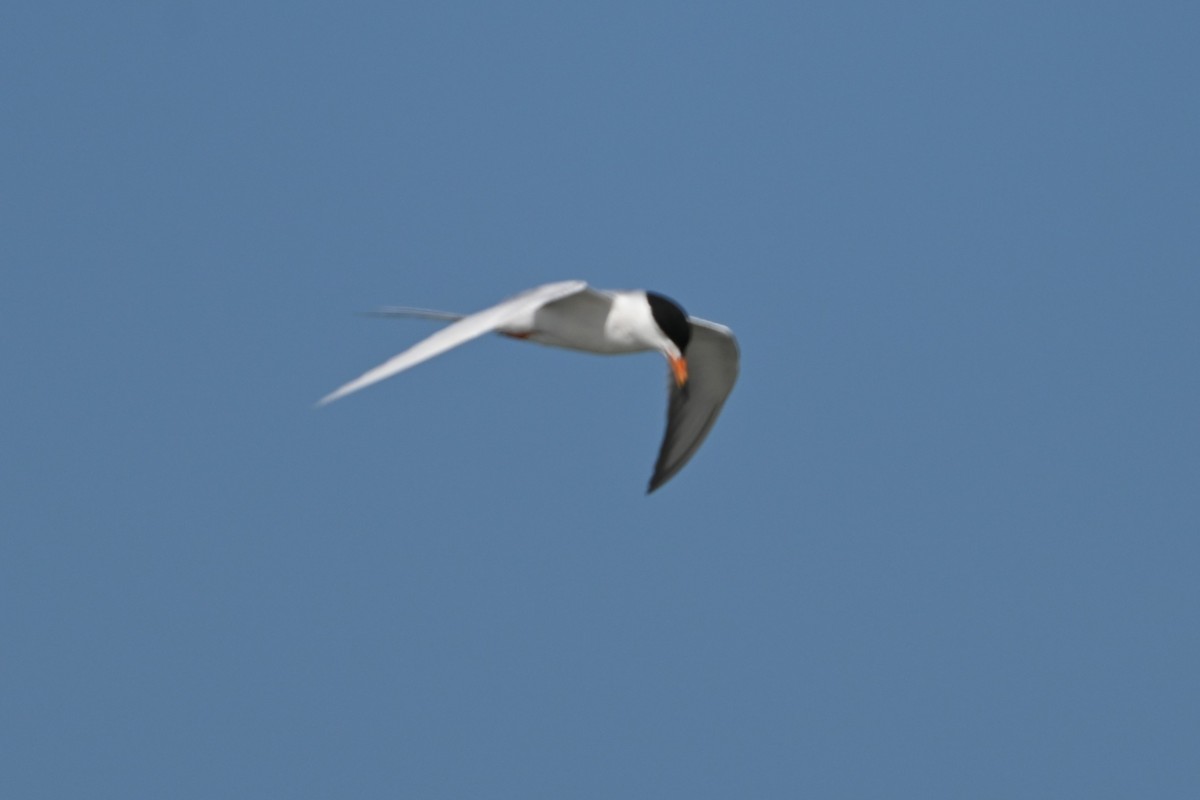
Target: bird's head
[{"x": 673, "y": 322}]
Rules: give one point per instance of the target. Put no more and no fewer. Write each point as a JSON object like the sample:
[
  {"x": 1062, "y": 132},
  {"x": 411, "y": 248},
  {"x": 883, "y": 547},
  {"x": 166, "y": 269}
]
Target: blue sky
[{"x": 942, "y": 543}]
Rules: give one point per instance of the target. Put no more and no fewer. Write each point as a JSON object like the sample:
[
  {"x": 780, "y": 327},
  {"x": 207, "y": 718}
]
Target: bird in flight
[{"x": 702, "y": 355}]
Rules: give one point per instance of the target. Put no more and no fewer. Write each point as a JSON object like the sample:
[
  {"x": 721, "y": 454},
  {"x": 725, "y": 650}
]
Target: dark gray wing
[{"x": 712, "y": 357}]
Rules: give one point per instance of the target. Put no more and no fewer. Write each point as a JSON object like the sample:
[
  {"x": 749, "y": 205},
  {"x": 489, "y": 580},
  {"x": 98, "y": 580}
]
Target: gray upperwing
[{"x": 712, "y": 357}]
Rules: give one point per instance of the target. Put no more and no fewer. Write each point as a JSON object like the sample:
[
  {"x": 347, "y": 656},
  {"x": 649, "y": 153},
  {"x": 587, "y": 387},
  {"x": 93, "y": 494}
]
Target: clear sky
[{"x": 943, "y": 543}]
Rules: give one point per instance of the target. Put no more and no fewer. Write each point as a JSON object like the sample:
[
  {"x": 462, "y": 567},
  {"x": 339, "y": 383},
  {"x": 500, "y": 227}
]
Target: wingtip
[{"x": 327, "y": 399}]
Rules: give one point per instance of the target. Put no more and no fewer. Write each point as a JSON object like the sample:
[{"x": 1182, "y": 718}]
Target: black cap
[{"x": 671, "y": 319}]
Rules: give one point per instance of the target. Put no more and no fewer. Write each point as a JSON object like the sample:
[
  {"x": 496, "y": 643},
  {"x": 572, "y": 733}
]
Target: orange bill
[{"x": 679, "y": 369}]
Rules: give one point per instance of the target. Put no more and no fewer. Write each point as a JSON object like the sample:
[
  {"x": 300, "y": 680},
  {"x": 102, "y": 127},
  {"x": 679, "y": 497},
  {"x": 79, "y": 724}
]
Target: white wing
[
  {"x": 461, "y": 332},
  {"x": 712, "y": 357}
]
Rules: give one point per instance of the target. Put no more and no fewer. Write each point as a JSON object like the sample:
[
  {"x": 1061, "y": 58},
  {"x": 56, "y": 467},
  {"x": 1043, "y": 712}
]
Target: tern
[{"x": 702, "y": 355}]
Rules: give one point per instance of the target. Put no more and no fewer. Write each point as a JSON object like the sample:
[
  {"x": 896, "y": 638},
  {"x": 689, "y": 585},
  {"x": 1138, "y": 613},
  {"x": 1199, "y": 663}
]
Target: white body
[{"x": 593, "y": 321}]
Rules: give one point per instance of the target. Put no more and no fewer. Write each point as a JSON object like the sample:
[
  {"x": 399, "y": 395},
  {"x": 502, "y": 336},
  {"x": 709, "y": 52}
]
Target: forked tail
[{"x": 417, "y": 313}]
